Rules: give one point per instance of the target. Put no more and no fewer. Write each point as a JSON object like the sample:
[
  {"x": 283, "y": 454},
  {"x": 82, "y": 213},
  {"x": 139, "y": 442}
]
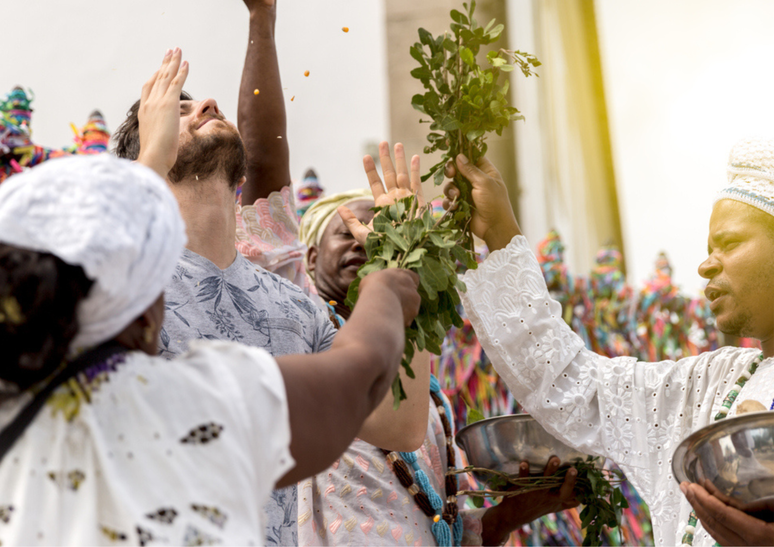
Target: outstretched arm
[
  {"x": 330, "y": 394},
  {"x": 261, "y": 118}
]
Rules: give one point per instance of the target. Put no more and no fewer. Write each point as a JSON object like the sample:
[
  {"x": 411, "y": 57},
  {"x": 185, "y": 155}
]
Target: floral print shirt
[{"x": 247, "y": 304}]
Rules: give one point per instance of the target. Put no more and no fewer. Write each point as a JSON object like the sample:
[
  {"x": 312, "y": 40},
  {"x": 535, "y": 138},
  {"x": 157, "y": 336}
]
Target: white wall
[
  {"x": 84, "y": 54},
  {"x": 684, "y": 81}
]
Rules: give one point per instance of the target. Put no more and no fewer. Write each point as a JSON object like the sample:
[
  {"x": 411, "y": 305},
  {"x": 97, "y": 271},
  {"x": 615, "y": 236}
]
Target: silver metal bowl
[
  {"x": 736, "y": 455},
  {"x": 502, "y": 443}
]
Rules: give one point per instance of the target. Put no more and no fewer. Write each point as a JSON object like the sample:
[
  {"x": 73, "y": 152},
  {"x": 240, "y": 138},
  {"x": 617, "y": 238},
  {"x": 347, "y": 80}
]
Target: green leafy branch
[
  {"x": 407, "y": 236},
  {"x": 464, "y": 100},
  {"x": 597, "y": 489}
]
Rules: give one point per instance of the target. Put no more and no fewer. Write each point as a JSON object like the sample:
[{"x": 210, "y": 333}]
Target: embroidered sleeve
[
  {"x": 267, "y": 235},
  {"x": 634, "y": 413}
]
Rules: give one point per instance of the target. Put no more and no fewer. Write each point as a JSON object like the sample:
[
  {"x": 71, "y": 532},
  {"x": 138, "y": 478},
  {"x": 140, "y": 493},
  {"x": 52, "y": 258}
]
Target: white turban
[
  {"x": 751, "y": 174},
  {"x": 115, "y": 219}
]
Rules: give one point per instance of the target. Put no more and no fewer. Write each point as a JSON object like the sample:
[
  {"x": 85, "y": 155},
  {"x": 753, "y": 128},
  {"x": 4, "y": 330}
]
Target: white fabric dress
[
  {"x": 632, "y": 412},
  {"x": 151, "y": 452}
]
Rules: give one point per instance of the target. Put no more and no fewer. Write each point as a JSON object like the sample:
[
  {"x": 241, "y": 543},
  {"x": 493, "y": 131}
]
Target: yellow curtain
[{"x": 564, "y": 157}]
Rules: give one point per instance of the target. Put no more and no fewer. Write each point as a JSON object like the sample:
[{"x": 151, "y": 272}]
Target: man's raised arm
[{"x": 261, "y": 117}]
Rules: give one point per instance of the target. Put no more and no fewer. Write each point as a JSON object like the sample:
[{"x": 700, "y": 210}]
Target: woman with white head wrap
[{"x": 118, "y": 444}]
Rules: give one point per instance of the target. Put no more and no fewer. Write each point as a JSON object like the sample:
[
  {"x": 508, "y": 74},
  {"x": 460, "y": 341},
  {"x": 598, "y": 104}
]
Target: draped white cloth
[
  {"x": 632, "y": 412},
  {"x": 116, "y": 219}
]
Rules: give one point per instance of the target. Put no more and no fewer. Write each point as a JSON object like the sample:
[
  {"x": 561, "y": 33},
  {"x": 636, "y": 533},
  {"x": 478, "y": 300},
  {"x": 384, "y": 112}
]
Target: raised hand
[
  {"x": 725, "y": 523},
  {"x": 398, "y": 184},
  {"x": 159, "y": 114},
  {"x": 492, "y": 216}
]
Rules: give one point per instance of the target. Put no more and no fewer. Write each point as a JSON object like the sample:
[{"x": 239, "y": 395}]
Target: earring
[{"x": 148, "y": 333}]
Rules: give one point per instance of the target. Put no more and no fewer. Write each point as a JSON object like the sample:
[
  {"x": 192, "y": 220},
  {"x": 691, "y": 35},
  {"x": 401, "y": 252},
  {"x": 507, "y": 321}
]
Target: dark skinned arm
[
  {"x": 513, "y": 512},
  {"x": 330, "y": 394},
  {"x": 261, "y": 118}
]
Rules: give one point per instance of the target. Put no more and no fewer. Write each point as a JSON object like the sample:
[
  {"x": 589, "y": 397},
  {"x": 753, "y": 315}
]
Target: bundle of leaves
[
  {"x": 464, "y": 100},
  {"x": 596, "y": 489},
  {"x": 407, "y": 236}
]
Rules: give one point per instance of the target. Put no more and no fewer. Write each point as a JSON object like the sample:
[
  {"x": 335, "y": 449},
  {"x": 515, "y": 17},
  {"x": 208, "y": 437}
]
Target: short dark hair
[{"x": 127, "y": 136}]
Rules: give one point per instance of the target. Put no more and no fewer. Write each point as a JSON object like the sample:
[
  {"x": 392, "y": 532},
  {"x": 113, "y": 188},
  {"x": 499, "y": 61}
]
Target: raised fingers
[
  {"x": 402, "y": 177},
  {"x": 388, "y": 170},
  {"x": 176, "y": 86},
  {"x": 169, "y": 69},
  {"x": 374, "y": 181}
]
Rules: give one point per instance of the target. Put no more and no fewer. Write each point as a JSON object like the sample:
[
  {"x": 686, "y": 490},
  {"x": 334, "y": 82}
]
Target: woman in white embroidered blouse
[{"x": 632, "y": 412}]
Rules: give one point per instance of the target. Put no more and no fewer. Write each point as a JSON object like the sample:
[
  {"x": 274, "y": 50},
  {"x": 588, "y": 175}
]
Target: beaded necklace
[
  {"x": 447, "y": 522},
  {"x": 725, "y": 407}
]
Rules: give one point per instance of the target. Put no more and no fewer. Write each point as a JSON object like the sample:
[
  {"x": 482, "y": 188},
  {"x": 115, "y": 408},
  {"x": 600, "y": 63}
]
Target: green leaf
[
  {"x": 458, "y": 17},
  {"x": 422, "y": 73},
  {"x": 415, "y": 255},
  {"x": 467, "y": 56},
  {"x": 398, "y": 393},
  {"x": 418, "y": 55},
  {"x": 474, "y": 415},
  {"x": 474, "y": 134},
  {"x": 425, "y": 37},
  {"x": 495, "y": 32}
]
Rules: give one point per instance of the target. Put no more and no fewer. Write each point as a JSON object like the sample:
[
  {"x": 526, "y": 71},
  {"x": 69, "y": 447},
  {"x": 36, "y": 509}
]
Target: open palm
[{"x": 399, "y": 182}]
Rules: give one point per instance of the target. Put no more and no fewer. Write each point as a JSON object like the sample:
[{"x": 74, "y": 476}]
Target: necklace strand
[
  {"x": 447, "y": 522},
  {"x": 725, "y": 407}
]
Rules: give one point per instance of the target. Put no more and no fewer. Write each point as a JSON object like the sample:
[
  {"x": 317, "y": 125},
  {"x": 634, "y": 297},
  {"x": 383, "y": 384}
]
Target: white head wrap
[
  {"x": 319, "y": 215},
  {"x": 114, "y": 218},
  {"x": 751, "y": 174}
]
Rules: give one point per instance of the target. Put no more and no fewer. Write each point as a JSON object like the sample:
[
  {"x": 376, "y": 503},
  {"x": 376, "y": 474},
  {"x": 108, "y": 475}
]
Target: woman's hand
[
  {"x": 398, "y": 184},
  {"x": 159, "y": 114}
]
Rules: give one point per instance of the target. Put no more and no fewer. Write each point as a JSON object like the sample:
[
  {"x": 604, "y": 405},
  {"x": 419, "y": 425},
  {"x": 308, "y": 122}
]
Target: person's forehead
[{"x": 731, "y": 215}]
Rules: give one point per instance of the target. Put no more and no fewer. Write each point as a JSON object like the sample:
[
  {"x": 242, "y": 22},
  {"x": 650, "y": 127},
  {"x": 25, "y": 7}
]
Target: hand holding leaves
[{"x": 404, "y": 234}]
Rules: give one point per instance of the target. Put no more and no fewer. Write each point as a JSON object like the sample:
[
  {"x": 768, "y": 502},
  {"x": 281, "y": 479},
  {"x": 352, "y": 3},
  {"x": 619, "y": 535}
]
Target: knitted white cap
[{"x": 751, "y": 174}]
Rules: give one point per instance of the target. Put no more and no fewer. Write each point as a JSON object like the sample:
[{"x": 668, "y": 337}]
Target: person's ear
[
  {"x": 311, "y": 258},
  {"x": 241, "y": 182}
]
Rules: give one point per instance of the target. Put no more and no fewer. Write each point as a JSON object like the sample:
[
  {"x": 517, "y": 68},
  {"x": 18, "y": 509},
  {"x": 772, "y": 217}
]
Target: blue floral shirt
[{"x": 247, "y": 304}]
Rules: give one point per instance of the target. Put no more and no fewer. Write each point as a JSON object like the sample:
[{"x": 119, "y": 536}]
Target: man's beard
[{"x": 200, "y": 156}]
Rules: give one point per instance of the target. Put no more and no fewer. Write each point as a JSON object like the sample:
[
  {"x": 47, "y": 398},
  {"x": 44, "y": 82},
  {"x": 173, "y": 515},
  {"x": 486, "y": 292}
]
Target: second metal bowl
[
  {"x": 502, "y": 443},
  {"x": 735, "y": 455}
]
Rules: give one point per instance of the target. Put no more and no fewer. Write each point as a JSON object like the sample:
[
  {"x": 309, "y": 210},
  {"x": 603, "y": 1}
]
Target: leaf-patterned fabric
[
  {"x": 632, "y": 412},
  {"x": 245, "y": 303},
  {"x": 119, "y": 469}
]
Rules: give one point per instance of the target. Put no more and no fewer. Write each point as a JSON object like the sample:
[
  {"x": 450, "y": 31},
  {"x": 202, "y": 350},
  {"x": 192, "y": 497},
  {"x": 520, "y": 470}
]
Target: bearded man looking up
[{"x": 216, "y": 293}]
